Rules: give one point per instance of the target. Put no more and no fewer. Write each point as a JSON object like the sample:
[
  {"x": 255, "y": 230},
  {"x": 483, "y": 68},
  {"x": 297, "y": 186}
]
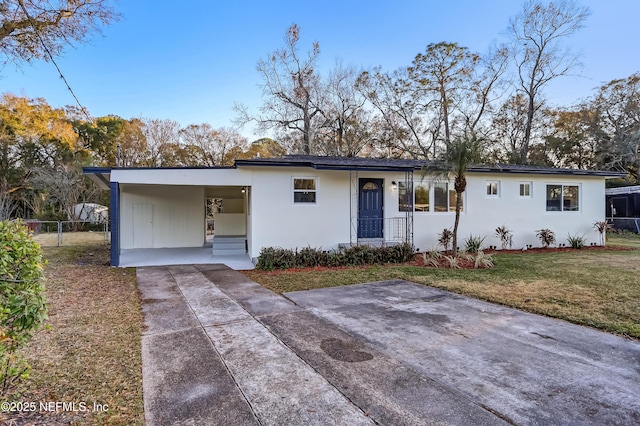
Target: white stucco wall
[
  {"x": 522, "y": 215},
  {"x": 275, "y": 220},
  {"x": 178, "y": 215}
]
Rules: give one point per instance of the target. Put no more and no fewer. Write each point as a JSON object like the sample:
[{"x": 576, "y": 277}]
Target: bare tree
[
  {"x": 28, "y": 28},
  {"x": 616, "y": 109},
  {"x": 537, "y": 33},
  {"x": 210, "y": 147},
  {"x": 65, "y": 187},
  {"x": 291, "y": 99},
  {"x": 346, "y": 129},
  {"x": 404, "y": 125},
  {"x": 161, "y": 137}
]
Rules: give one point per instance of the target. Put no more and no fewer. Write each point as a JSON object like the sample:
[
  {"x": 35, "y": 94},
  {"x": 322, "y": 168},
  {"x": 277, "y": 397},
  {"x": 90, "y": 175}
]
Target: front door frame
[{"x": 371, "y": 221}]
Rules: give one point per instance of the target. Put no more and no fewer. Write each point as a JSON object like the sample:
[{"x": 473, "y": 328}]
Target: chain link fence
[{"x": 50, "y": 233}]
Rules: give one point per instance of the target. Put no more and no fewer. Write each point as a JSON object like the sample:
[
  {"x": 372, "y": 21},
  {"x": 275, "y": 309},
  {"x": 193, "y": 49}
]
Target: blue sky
[{"x": 191, "y": 60}]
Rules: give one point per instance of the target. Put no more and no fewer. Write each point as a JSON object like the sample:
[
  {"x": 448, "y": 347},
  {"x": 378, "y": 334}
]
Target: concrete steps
[{"x": 228, "y": 246}]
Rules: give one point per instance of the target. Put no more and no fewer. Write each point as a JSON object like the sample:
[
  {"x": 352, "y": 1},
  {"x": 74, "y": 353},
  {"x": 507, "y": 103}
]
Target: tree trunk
[{"x": 455, "y": 226}]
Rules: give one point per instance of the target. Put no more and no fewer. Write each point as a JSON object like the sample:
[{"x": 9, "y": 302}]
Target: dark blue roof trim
[
  {"x": 369, "y": 164},
  {"x": 389, "y": 164}
]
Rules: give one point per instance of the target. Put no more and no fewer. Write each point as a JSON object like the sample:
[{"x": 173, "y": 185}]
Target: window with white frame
[
  {"x": 304, "y": 190},
  {"x": 564, "y": 198},
  {"x": 421, "y": 197},
  {"x": 444, "y": 198},
  {"x": 405, "y": 203},
  {"x": 427, "y": 197},
  {"x": 525, "y": 189},
  {"x": 493, "y": 188}
]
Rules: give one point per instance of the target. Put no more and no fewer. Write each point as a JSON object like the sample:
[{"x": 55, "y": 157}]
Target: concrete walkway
[{"x": 220, "y": 349}]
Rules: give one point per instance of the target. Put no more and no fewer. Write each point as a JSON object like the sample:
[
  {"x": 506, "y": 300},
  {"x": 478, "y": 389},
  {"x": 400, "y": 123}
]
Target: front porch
[{"x": 372, "y": 220}]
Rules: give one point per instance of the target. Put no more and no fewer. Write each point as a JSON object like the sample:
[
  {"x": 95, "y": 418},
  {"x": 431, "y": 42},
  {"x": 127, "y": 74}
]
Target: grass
[
  {"x": 597, "y": 288},
  {"x": 90, "y": 351}
]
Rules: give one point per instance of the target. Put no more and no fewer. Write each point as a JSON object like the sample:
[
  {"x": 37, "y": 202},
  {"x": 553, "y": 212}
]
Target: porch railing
[{"x": 388, "y": 229}]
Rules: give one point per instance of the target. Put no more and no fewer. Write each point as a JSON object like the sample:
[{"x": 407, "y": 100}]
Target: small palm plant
[
  {"x": 602, "y": 227},
  {"x": 444, "y": 238},
  {"x": 546, "y": 236},
  {"x": 505, "y": 235}
]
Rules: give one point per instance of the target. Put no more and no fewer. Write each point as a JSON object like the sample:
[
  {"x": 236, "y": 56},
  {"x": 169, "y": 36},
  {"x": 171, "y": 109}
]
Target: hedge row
[{"x": 278, "y": 258}]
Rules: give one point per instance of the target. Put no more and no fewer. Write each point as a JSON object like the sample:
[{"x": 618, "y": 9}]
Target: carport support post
[{"x": 114, "y": 211}]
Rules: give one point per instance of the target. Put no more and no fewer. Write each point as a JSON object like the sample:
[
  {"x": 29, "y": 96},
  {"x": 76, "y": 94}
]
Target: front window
[
  {"x": 426, "y": 197},
  {"x": 421, "y": 203},
  {"x": 440, "y": 199},
  {"x": 492, "y": 188},
  {"x": 304, "y": 190},
  {"x": 525, "y": 189},
  {"x": 404, "y": 197},
  {"x": 563, "y": 198}
]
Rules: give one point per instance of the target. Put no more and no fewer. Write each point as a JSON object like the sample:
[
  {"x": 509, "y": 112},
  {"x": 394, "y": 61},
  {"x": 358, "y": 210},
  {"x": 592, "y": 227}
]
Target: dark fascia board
[
  {"x": 96, "y": 170},
  {"x": 413, "y": 166},
  {"x": 546, "y": 171},
  {"x": 319, "y": 165},
  {"x": 100, "y": 175},
  {"x": 88, "y": 170}
]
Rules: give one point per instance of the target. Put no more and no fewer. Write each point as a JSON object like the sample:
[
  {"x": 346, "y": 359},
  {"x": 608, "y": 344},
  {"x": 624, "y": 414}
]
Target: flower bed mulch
[{"x": 462, "y": 263}]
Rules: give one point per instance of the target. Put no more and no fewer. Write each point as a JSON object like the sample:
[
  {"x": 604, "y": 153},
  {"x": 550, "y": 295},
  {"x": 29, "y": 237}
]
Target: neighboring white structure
[
  {"x": 91, "y": 212},
  {"x": 299, "y": 201}
]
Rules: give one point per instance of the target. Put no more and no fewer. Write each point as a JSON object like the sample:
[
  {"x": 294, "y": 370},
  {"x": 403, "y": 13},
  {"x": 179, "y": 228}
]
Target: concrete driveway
[{"x": 220, "y": 349}]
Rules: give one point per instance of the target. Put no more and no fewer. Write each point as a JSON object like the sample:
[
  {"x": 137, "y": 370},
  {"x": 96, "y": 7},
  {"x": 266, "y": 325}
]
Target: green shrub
[
  {"x": 22, "y": 302},
  {"x": 278, "y": 258},
  {"x": 473, "y": 244},
  {"x": 575, "y": 241},
  {"x": 271, "y": 258}
]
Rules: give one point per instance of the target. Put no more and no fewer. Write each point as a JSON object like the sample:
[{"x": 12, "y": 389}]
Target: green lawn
[{"x": 598, "y": 288}]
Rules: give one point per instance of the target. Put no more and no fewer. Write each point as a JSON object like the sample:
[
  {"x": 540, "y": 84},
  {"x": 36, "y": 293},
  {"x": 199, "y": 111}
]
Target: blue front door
[{"x": 370, "y": 213}]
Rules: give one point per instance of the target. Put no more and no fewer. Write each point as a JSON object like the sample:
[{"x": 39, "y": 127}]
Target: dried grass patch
[
  {"x": 69, "y": 238},
  {"x": 90, "y": 351}
]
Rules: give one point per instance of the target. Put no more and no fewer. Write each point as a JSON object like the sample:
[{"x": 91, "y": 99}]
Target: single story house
[{"x": 299, "y": 201}]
